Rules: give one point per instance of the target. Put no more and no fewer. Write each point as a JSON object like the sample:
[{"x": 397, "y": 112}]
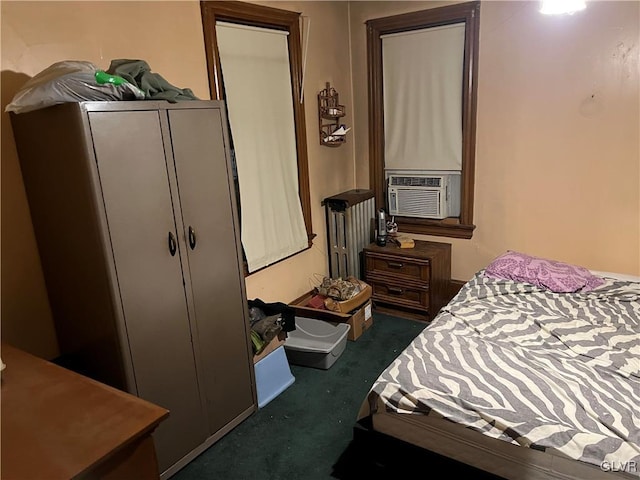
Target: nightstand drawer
[
  {"x": 409, "y": 282},
  {"x": 404, "y": 295},
  {"x": 410, "y": 268}
]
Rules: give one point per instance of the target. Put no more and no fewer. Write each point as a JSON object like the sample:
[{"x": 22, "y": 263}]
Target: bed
[{"x": 522, "y": 381}]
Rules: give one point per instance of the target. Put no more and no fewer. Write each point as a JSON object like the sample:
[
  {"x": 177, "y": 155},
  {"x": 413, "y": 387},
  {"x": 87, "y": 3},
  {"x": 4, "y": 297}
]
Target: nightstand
[{"x": 409, "y": 282}]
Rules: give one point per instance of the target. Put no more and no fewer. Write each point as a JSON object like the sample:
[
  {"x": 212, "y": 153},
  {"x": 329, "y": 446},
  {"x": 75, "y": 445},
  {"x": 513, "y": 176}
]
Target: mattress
[{"x": 523, "y": 382}]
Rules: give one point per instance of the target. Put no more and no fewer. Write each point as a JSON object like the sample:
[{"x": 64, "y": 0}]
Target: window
[
  {"x": 254, "y": 62},
  {"x": 457, "y": 25}
]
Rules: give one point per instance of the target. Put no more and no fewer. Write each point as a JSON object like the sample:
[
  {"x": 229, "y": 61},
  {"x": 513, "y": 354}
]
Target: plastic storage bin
[
  {"x": 273, "y": 376},
  {"x": 316, "y": 343}
]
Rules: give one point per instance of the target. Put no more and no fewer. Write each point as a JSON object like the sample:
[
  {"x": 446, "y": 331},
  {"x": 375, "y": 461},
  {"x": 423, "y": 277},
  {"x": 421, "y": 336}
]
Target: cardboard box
[
  {"x": 352, "y": 304},
  {"x": 275, "y": 342},
  {"x": 360, "y": 319}
]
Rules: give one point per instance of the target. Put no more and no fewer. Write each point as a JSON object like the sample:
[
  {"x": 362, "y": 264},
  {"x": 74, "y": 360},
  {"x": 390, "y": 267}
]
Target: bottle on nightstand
[{"x": 381, "y": 228}]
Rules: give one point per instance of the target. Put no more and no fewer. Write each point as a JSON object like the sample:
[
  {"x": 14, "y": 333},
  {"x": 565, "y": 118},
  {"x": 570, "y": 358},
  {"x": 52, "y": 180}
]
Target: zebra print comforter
[{"x": 557, "y": 372}]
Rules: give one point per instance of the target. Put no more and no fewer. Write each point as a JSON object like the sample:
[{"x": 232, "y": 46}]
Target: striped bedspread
[{"x": 554, "y": 372}]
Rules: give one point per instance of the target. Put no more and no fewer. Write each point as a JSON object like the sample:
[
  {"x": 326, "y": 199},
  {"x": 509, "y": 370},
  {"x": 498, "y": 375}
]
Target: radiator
[{"x": 350, "y": 227}]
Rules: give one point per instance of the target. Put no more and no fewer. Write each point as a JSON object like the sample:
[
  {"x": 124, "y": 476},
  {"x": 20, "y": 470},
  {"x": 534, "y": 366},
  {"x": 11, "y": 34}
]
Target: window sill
[
  {"x": 246, "y": 267},
  {"x": 449, "y": 227}
]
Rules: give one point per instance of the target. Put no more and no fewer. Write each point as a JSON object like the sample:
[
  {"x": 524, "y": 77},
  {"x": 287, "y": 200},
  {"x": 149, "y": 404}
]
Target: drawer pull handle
[
  {"x": 396, "y": 265},
  {"x": 395, "y": 290}
]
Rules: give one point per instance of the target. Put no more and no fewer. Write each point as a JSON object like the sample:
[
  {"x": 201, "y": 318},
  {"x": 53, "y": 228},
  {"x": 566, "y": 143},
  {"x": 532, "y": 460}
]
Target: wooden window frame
[
  {"x": 469, "y": 13},
  {"x": 266, "y": 17}
]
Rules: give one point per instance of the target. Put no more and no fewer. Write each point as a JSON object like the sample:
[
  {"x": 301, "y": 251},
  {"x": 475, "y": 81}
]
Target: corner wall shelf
[{"x": 332, "y": 132}]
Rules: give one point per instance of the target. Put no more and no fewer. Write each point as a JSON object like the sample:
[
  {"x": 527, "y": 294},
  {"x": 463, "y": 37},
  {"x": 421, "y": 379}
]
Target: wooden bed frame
[{"x": 460, "y": 449}]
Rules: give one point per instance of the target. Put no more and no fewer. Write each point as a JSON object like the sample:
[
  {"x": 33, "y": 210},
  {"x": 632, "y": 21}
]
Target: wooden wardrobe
[{"x": 134, "y": 211}]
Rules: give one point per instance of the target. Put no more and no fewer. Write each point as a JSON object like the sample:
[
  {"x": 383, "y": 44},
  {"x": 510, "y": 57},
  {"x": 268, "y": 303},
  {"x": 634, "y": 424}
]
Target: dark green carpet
[{"x": 307, "y": 431}]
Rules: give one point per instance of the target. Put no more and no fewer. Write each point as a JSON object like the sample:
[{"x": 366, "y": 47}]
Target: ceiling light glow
[{"x": 559, "y": 7}]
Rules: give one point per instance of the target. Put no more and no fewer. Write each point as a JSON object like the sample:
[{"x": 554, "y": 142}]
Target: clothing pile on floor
[{"x": 267, "y": 321}]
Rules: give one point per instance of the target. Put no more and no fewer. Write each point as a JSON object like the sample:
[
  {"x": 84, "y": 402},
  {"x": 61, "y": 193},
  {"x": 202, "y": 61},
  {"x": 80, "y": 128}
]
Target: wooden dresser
[
  {"x": 57, "y": 424},
  {"x": 409, "y": 282}
]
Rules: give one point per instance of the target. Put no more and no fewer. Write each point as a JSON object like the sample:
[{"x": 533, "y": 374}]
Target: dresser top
[
  {"x": 422, "y": 249},
  {"x": 57, "y": 424}
]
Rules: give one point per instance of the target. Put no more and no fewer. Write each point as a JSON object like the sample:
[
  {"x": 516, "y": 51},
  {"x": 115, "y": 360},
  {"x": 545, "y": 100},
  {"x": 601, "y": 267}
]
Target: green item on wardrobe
[
  {"x": 103, "y": 77},
  {"x": 154, "y": 86}
]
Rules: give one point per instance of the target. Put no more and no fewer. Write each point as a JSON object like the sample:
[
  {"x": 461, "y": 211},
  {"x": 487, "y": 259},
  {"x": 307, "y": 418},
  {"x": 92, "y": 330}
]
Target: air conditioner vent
[
  {"x": 413, "y": 181},
  {"x": 421, "y": 203},
  {"x": 426, "y": 195}
]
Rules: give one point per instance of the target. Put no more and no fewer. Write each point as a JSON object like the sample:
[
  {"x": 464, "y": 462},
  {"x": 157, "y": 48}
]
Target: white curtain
[
  {"x": 257, "y": 82},
  {"x": 422, "y": 89}
]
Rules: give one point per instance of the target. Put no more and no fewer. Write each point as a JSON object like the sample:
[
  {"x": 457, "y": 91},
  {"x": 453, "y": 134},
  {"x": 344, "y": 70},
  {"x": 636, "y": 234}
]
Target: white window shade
[
  {"x": 257, "y": 83},
  {"x": 422, "y": 90}
]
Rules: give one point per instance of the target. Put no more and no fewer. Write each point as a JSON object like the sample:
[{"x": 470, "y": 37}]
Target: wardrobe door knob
[
  {"x": 173, "y": 245},
  {"x": 192, "y": 237}
]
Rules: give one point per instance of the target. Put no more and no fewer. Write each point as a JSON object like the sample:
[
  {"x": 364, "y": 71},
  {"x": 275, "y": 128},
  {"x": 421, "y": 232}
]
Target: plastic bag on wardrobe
[{"x": 71, "y": 81}]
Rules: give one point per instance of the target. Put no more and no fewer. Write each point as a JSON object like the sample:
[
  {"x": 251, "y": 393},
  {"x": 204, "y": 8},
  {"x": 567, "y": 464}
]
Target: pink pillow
[{"x": 550, "y": 274}]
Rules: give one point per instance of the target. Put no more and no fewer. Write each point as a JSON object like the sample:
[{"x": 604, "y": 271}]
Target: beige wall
[
  {"x": 558, "y": 159},
  {"x": 168, "y": 35},
  {"x": 558, "y": 162}
]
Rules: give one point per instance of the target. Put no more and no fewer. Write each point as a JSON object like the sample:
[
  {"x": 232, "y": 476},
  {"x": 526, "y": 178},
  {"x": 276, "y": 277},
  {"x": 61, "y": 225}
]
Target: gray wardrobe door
[
  {"x": 216, "y": 275},
  {"x": 133, "y": 174}
]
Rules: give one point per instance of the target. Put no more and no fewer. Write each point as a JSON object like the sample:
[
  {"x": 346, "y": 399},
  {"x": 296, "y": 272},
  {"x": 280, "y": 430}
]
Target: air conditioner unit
[{"x": 424, "y": 195}]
